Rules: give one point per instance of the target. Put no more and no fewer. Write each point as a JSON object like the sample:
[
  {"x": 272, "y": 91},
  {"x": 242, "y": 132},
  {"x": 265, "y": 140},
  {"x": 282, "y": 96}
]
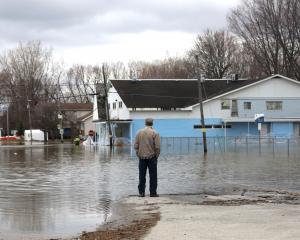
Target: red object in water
[
  {"x": 91, "y": 133},
  {"x": 9, "y": 138}
]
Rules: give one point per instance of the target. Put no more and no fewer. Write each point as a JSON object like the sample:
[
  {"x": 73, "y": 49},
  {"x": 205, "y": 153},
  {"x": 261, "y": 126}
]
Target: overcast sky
[{"x": 96, "y": 31}]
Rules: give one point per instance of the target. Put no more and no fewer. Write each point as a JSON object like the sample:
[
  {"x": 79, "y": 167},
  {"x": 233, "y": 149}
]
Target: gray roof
[{"x": 162, "y": 93}]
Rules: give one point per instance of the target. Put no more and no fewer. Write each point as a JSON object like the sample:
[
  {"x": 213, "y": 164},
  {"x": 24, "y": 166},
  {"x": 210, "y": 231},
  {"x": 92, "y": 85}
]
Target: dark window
[
  {"x": 247, "y": 105},
  {"x": 167, "y": 108},
  {"x": 120, "y": 104},
  {"x": 114, "y": 105},
  {"x": 213, "y": 126},
  {"x": 225, "y": 104},
  {"x": 274, "y": 105}
]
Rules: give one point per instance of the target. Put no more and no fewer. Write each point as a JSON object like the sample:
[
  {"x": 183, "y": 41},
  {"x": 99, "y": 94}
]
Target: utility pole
[
  {"x": 29, "y": 118},
  {"x": 29, "y": 112},
  {"x": 60, "y": 117},
  {"x": 7, "y": 121},
  {"x": 107, "y": 108},
  {"x": 61, "y": 129},
  {"x": 201, "y": 105}
]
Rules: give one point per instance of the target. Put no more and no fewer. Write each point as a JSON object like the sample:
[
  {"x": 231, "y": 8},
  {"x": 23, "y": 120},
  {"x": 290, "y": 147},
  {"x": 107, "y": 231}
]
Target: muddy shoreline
[{"x": 134, "y": 217}]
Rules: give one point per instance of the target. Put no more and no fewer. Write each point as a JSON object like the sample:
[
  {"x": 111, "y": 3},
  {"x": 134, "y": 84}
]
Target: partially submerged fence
[{"x": 258, "y": 144}]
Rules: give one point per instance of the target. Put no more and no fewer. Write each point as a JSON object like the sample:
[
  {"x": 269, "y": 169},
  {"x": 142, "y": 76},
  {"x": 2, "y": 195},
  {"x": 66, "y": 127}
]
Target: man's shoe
[
  {"x": 154, "y": 195},
  {"x": 142, "y": 195}
]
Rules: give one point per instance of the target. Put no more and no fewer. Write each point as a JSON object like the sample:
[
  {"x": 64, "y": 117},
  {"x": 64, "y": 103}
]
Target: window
[
  {"x": 274, "y": 105},
  {"x": 225, "y": 104},
  {"x": 114, "y": 105},
  {"x": 120, "y": 104},
  {"x": 109, "y": 106},
  {"x": 247, "y": 105}
]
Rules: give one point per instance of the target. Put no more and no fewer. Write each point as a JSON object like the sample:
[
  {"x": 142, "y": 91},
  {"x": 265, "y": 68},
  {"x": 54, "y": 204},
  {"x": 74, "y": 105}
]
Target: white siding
[
  {"x": 272, "y": 88},
  {"x": 88, "y": 125},
  {"x": 161, "y": 114},
  {"x": 118, "y": 113}
]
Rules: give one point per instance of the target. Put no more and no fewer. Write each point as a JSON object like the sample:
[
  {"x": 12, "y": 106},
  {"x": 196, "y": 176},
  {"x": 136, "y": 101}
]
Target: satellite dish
[{"x": 259, "y": 117}]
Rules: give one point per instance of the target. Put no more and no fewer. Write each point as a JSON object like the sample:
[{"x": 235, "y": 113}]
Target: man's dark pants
[{"x": 151, "y": 164}]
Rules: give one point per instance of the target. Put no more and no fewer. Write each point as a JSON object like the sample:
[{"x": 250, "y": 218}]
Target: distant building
[
  {"x": 86, "y": 123},
  {"x": 229, "y": 107},
  {"x": 75, "y": 118}
]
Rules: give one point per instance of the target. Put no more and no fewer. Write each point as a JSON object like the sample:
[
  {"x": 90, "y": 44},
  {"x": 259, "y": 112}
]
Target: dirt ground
[
  {"x": 140, "y": 218},
  {"x": 135, "y": 230},
  {"x": 128, "y": 221}
]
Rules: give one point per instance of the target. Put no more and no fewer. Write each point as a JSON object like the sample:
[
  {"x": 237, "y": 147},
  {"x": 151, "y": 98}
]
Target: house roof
[
  {"x": 179, "y": 93},
  {"x": 85, "y": 117}
]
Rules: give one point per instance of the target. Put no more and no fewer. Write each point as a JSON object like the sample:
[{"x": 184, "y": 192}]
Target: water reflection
[
  {"x": 64, "y": 189},
  {"x": 53, "y": 189}
]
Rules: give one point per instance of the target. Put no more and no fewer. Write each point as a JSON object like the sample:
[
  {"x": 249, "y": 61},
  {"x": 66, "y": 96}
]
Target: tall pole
[
  {"x": 29, "y": 117},
  {"x": 29, "y": 113},
  {"x": 61, "y": 129},
  {"x": 7, "y": 121},
  {"x": 201, "y": 105},
  {"x": 60, "y": 117},
  {"x": 107, "y": 108}
]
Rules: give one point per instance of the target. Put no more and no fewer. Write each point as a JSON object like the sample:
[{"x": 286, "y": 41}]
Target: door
[
  {"x": 296, "y": 128},
  {"x": 234, "y": 108},
  {"x": 265, "y": 129}
]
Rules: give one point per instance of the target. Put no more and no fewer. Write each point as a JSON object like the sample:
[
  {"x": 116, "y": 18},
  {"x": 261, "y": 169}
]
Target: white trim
[
  {"x": 263, "y": 98},
  {"x": 287, "y": 119},
  {"x": 247, "y": 86},
  {"x": 89, "y": 116},
  {"x": 155, "y": 79},
  {"x": 114, "y": 121},
  {"x": 159, "y": 110}
]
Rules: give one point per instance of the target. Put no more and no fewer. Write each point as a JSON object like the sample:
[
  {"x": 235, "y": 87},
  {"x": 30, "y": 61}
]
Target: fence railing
[{"x": 222, "y": 144}]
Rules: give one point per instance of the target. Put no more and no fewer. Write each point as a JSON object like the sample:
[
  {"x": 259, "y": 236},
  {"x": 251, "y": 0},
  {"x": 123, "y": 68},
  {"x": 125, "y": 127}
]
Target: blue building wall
[
  {"x": 185, "y": 128},
  {"x": 242, "y": 129},
  {"x": 283, "y": 129}
]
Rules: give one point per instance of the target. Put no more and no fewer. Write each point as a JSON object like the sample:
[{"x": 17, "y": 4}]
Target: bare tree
[
  {"x": 217, "y": 52},
  {"x": 27, "y": 77},
  {"x": 270, "y": 31},
  {"x": 118, "y": 70},
  {"x": 169, "y": 68},
  {"x": 80, "y": 82}
]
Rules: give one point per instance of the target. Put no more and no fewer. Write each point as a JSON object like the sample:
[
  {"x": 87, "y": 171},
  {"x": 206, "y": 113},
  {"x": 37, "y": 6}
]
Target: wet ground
[{"x": 61, "y": 190}]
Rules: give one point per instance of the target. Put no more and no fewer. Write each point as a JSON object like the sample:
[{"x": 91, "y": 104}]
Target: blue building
[{"x": 229, "y": 107}]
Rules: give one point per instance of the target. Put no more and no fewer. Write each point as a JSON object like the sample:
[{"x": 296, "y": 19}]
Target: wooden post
[
  {"x": 29, "y": 119},
  {"x": 107, "y": 108},
  {"x": 201, "y": 105},
  {"x": 7, "y": 121}
]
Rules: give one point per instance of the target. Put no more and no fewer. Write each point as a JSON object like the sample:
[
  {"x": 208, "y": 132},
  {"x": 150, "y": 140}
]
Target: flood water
[{"x": 61, "y": 190}]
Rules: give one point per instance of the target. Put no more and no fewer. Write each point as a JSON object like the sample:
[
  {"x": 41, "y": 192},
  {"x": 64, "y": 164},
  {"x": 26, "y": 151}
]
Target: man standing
[{"x": 147, "y": 146}]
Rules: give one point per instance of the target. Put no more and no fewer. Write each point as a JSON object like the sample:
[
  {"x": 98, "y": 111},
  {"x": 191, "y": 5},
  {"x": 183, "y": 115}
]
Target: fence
[{"x": 185, "y": 145}]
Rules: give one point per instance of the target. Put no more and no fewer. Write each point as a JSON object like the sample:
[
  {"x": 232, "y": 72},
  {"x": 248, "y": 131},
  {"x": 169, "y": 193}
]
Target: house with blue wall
[{"x": 229, "y": 107}]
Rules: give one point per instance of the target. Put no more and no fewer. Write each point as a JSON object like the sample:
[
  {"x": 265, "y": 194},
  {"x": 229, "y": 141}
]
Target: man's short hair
[{"x": 149, "y": 122}]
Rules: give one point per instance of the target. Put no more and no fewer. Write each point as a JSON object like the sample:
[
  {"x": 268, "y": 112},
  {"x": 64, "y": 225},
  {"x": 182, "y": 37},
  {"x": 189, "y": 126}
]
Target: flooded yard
[{"x": 60, "y": 190}]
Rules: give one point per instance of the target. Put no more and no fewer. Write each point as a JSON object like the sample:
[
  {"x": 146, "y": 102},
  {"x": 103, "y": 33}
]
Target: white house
[{"x": 229, "y": 107}]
